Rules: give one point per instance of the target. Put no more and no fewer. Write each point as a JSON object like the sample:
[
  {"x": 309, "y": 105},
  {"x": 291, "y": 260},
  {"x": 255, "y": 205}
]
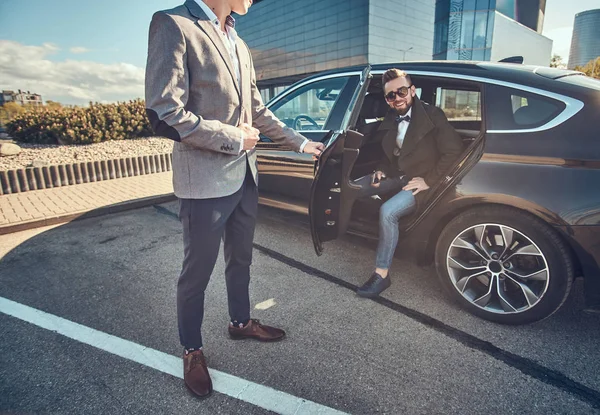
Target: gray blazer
[{"x": 193, "y": 98}]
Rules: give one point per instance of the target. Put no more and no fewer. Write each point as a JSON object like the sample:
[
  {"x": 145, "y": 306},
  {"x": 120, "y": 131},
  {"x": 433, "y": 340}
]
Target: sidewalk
[{"x": 38, "y": 208}]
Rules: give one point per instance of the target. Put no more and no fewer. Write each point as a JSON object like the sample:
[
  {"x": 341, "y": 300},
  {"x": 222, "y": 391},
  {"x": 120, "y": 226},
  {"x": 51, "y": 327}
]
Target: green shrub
[{"x": 77, "y": 125}]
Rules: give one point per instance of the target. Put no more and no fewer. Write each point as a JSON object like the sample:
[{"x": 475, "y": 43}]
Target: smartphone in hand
[{"x": 375, "y": 179}]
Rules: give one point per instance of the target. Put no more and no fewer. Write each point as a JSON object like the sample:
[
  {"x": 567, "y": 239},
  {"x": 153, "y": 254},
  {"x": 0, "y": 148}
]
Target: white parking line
[{"x": 238, "y": 388}]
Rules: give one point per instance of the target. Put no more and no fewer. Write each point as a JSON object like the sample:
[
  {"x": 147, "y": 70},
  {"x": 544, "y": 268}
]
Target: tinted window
[
  {"x": 513, "y": 109},
  {"x": 528, "y": 111},
  {"x": 459, "y": 105},
  {"x": 309, "y": 107}
]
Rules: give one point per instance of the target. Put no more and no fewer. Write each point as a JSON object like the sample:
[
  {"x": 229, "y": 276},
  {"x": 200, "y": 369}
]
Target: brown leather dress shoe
[
  {"x": 195, "y": 374},
  {"x": 255, "y": 330}
]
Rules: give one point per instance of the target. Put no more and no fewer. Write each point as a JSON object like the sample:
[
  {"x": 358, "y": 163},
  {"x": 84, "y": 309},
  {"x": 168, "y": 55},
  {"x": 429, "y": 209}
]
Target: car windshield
[{"x": 582, "y": 80}]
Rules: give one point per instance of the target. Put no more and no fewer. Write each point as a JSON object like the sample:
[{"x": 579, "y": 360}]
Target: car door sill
[{"x": 285, "y": 204}]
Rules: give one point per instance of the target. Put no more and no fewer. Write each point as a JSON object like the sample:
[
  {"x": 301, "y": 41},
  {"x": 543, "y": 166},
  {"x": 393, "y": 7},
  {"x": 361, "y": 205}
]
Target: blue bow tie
[{"x": 401, "y": 118}]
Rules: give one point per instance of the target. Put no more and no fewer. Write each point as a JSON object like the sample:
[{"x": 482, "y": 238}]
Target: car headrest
[
  {"x": 532, "y": 114},
  {"x": 374, "y": 106}
]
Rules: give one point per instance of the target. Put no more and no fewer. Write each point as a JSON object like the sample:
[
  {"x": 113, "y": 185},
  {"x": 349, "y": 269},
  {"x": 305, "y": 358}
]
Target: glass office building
[
  {"x": 291, "y": 39},
  {"x": 585, "y": 43},
  {"x": 466, "y": 29}
]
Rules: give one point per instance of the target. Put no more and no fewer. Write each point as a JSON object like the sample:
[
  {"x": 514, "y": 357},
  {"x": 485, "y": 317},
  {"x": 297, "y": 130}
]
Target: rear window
[{"x": 513, "y": 109}]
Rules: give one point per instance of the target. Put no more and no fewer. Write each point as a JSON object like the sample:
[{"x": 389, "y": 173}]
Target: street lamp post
[{"x": 404, "y": 53}]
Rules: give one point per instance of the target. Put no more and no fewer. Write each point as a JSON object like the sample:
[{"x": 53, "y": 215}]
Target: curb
[
  {"x": 38, "y": 178},
  {"x": 73, "y": 216}
]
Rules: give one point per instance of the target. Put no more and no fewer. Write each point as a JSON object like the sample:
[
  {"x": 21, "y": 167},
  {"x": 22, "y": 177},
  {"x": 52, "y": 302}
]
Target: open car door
[{"x": 332, "y": 194}]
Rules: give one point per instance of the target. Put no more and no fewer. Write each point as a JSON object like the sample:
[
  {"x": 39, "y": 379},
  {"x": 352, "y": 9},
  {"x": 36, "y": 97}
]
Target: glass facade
[
  {"x": 400, "y": 30},
  {"x": 464, "y": 28},
  {"x": 527, "y": 12},
  {"x": 585, "y": 43},
  {"x": 291, "y": 39},
  {"x": 531, "y": 14}
]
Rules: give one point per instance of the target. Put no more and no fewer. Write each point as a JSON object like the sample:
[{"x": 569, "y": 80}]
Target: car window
[
  {"x": 459, "y": 105},
  {"x": 531, "y": 111},
  {"x": 309, "y": 107},
  {"x": 418, "y": 92},
  {"x": 513, "y": 109}
]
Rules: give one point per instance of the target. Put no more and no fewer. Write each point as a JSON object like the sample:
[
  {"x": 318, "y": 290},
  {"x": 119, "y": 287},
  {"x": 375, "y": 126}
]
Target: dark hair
[{"x": 393, "y": 74}]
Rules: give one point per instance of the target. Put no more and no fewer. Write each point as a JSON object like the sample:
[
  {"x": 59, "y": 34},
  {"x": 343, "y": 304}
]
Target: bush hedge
[{"x": 82, "y": 125}]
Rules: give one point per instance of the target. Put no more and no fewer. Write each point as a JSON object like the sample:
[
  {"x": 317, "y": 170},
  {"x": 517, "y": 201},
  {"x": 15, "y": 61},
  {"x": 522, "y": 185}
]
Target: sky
[{"x": 76, "y": 51}]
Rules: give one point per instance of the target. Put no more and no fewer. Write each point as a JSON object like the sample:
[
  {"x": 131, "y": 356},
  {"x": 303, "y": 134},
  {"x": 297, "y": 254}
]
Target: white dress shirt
[
  {"x": 402, "y": 127},
  {"x": 230, "y": 39}
]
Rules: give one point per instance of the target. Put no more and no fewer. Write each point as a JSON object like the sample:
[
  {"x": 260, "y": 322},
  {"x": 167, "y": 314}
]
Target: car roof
[{"x": 511, "y": 72}]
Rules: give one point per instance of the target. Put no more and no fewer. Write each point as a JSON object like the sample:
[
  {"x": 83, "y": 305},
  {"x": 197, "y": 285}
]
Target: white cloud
[
  {"x": 79, "y": 49},
  {"x": 27, "y": 68}
]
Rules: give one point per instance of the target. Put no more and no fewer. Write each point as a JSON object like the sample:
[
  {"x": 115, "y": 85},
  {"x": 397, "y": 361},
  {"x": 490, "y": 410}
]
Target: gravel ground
[{"x": 61, "y": 154}]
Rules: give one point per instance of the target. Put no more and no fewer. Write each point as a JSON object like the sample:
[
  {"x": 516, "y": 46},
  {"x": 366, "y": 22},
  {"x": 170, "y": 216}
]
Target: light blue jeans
[{"x": 401, "y": 204}]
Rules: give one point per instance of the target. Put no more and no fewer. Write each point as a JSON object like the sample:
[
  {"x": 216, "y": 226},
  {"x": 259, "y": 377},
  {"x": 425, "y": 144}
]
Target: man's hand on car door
[{"x": 417, "y": 185}]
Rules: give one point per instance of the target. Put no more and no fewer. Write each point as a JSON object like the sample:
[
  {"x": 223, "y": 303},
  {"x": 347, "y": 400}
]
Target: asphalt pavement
[{"x": 413, "y": 351}]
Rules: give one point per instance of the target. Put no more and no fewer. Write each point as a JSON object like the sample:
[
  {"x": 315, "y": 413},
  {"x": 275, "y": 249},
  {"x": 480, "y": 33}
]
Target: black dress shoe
[{"x": 374, "y": 286}]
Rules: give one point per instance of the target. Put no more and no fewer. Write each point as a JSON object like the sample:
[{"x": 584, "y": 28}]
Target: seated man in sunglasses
[{"x": 420, "y": 145}]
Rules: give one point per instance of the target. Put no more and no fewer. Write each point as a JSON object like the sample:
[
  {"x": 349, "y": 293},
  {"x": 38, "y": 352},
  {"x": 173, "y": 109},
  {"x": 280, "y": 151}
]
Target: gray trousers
[{"x": 205, "y": 222}]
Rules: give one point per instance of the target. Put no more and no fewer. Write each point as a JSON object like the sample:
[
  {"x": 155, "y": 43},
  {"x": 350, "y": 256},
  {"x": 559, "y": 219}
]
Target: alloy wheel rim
[{"x": 498, "y": 268}]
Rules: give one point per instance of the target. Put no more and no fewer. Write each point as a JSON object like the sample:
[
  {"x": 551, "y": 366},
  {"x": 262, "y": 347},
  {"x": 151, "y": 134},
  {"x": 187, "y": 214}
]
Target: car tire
[{"x": 529, "y": 286}]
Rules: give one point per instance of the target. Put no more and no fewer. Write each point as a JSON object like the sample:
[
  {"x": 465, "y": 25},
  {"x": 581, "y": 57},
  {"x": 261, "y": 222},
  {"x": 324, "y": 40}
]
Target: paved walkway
[{"x": 37, "y": 208}]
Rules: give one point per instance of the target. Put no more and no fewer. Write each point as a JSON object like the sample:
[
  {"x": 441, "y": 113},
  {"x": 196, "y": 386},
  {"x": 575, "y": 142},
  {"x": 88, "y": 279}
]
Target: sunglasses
[{"x": 401, "y": 92}]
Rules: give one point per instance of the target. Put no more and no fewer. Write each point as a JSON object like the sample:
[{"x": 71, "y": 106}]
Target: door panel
[
  {"x": 313, "y": 109},
  {"x": 324, "y": 206},
  {"x": 332, "y": 193},
  {"x": 284, "y": 172},
  {"x": 462, "y": 103}
]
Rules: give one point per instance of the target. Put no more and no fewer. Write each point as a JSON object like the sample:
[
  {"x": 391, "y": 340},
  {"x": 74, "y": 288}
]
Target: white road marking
[
  {"x": 265, "y": 304},
  {"x": 238, "y": 388}
]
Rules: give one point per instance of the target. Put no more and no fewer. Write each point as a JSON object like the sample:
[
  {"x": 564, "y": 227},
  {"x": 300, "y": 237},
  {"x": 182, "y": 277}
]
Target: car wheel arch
[
  {"x": 497, "y": 234},
  {"x": 458, "y": 206}
]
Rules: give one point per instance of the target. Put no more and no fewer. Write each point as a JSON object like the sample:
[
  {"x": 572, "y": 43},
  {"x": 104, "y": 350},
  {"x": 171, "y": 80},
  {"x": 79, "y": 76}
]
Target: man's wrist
[
  {"x": 303, "y": 145},
  {"x": 242, "y": 136}
]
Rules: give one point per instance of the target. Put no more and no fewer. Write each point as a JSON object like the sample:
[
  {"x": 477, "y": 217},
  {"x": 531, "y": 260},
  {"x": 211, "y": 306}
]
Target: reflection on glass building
[
  {"x": 473, "y": 29},
  {"x": 291, "y": 39},
  {"x": 585, "y": 43}
]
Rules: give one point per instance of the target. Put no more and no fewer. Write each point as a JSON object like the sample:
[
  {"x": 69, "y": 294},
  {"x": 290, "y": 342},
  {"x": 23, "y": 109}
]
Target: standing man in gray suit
[{"x": 201, "y": 92}]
